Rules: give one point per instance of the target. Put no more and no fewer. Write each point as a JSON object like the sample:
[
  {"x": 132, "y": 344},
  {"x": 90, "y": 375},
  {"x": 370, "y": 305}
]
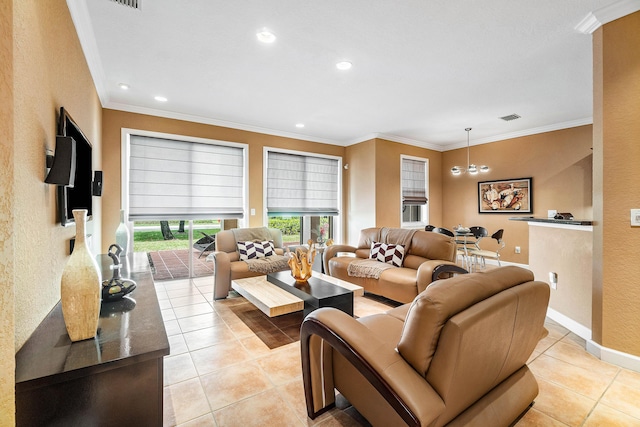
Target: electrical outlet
[
  {"x": 253, "y": 211},
  {"x": 517, "y": 249},
  {"x": 553, "y": 280},
  {"x": 635, "y": 217}
]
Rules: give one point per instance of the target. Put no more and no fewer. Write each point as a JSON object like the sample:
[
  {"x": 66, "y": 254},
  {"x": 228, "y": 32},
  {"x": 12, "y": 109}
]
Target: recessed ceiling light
[
  {"x": 266, "y": 36},
  {"x": 300, "y": 125},
  {"x": 160, "y": 98},
  {"x": 343, "y": 65},
  {"x": 123, "y": 86}
]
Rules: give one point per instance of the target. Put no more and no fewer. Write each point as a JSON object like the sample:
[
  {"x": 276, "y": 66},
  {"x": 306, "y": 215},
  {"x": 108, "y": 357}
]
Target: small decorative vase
[
  {"x": 122, "y": 235},
  {"x": 81, "y": 286}
]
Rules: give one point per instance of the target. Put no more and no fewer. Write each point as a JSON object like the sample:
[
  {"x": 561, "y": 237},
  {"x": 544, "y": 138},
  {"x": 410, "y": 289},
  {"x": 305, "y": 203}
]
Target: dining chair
[
  {"x": 483, "y": 253},
  {"x": 478, "y": 233},
  {"x": 444, "y": 231},
  {"x": 462, "y": 252},
  {"x": 429, "y": 227}
]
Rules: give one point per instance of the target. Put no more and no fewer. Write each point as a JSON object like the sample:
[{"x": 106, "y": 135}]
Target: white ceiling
[{"x": 423, "y": 70}]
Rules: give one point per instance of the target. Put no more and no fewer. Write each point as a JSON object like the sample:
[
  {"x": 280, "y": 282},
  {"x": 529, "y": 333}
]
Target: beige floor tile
[
  {"x": 182, "y": 292},
  {"x": 255, "y": 347},
  {"x": 168, "y": 314},
  {"x": 556, "y": 331},
  {"x": 535, "y": 418},
  {"x": 184, "y": 402},
  {"x": 234, "y": 383},
  {"x": 574, "y": 339},
  {"x": 602, "y": 415},
  {"x": 192, "y": 310},
  {"x": 577, "y": 379},
  {"x": 205, "y": 337},
  {"x": 176, "y": 284},
  {"x": 187, "y": 300},
  {"x": 206, "y": 289},
  {"x": 623, "y": 397},
  {"x": 283, "y": 365},
  {"x": 164, "y": 304},
  {"x": 263, "y": 410},
  {"x": 162, "y": 294},
  {"x": 201, "y": 321},
  {"x": 293, "y": 393},
  {"x": 172, "y": 327},
  {"x": 629, "y": 378},
  {"x": 338, "y": 418},
  {"x": 203, "y": 280},
  {"x": 562, "y": 404},
  {"x": 579, "y": 357},
  {"x": 178, "y": 368},
  {"x": 533, "y": 356},
  {"x": 177, "y": 345},
  {"x": 203, "y": 421},
  {"x": 219, "y": 356}
]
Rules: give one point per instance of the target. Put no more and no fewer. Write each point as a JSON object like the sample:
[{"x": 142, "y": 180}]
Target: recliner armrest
[
  {"x": 429, "y": 271},
  {"x": 331, "y": 251},
  {"x": 379, "y": 363},
  {"x": 221, "y": 274}
]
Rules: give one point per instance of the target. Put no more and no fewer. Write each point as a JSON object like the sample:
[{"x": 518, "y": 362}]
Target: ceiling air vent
[
  {"x": 510, "y": 117},
  {"x": 136, "y": 4}
]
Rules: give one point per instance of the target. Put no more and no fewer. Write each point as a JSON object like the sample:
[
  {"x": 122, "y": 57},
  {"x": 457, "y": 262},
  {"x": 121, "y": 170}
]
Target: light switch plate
[
  {"x": 253, "y": 211},
  {"x": 635, "y": 217}
]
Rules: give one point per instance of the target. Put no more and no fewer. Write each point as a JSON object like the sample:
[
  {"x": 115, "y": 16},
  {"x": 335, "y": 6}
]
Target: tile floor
[{"x": 219, "y": 373}]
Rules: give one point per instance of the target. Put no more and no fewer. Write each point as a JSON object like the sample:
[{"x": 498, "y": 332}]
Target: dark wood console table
[{"x": 115, "y": 379}]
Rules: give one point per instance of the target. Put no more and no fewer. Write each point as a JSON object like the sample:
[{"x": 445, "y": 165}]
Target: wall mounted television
[{"x": 80, "y": 196}]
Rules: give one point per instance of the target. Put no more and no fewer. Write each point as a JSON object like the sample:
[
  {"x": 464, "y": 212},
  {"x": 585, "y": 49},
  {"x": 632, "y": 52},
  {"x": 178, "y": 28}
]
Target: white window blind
[
  {"x": 413, "y": 182},
  {"x": 301, "y": 185},
  {"x": 171, "y": 179}
]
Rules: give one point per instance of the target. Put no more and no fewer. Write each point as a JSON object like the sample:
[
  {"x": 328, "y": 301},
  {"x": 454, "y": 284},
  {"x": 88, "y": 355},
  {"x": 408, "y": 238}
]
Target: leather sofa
[
  {"x": 226, "y": 258},
  {"x": 455, "y": 356},
  {"x": 427, "y": 255}
]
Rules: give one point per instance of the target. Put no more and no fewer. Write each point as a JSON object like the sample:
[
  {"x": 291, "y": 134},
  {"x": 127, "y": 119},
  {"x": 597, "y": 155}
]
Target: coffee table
[{"x": 275, "y": 299}]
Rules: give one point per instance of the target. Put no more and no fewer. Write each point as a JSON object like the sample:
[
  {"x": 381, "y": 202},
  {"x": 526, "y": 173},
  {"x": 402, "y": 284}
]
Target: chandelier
[{"x": 471, "y": 168}]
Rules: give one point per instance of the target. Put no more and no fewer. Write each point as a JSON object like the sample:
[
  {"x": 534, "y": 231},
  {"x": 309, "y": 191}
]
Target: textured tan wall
[
  {"x": 559, "y": 163},
  {"x": 388, "y": 183},
  {"x": 569, "y": 254},
  {"x": 7, "y": 194},
  {"x": 50, "y": 71},
  {"x": 620, "y": 127},
  {"x": 113, "y": 121}
]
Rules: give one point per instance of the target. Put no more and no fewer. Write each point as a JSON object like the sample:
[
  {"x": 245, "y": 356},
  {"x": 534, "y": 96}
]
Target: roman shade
[
  {"x": 301, "y": 185},
  {"x": 413, "y": 182},
  {"x": 173, "y": 179}
]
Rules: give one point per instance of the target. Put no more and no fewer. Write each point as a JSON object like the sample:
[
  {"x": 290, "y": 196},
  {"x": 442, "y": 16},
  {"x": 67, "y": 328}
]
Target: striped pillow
[
  {"x": 387, "y": 253},
  {"x": 256, "y": 249}
]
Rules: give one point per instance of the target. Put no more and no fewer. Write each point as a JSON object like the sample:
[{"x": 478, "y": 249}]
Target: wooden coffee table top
[{"x": 274, "y": 301}]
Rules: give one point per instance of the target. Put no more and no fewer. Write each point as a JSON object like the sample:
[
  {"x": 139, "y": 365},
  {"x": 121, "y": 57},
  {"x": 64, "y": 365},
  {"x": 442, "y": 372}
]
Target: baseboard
[
  {"x": 609, "y": 355},
  {"x": 575, "y": 327}
]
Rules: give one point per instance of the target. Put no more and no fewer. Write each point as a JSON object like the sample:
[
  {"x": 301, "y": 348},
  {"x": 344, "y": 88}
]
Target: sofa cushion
[
  {"x": 387, "y": 253},
  {"x": 250, "y": 250}
]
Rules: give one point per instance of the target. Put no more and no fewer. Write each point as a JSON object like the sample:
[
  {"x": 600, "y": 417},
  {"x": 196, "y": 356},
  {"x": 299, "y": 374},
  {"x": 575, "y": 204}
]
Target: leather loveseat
[
  {"x": 426, "y": 256},
  {"x": 228, "y": 264},
  {"x": 455, "y": 356}
]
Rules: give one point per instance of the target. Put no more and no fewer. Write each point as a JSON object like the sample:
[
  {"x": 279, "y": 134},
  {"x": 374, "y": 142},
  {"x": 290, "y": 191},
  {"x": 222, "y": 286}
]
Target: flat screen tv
[{"x": 80, "y": 196}]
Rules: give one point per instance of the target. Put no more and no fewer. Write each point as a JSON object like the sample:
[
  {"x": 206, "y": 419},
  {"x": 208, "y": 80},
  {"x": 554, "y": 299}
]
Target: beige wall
[
  {"x": 616, "y": 318},
  {"x": 568, "y": 252},
  {"x": 559, "y": 163},
  {"x": 114, "y": 121},
  {"x": 7, "y": 194},
  {"x": 359, "y": 187}
]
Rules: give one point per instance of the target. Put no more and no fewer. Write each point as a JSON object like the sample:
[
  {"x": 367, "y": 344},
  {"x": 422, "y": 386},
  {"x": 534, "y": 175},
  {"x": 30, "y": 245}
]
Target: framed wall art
[{"x": 505, "y": 196}]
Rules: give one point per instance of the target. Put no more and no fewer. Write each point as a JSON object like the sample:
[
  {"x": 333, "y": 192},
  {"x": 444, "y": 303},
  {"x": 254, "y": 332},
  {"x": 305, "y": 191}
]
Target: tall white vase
[
  {"x": 122, "y": 235},
  {"x": 81, "y": 286}
]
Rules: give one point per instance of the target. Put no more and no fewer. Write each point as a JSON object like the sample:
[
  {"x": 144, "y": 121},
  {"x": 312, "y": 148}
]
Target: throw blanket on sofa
[
  {"x": 398, "y": 236},
  {"x": 251, "y": 234},
  {"x": 270, "y": 264},
  {"x": 367, "y": 268}
]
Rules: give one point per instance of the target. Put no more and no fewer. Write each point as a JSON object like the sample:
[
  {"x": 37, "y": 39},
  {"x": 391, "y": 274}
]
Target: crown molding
[
  {"x": 216, "y": 122},
  {"x": 525, "y": 132},
  {"x": 604, "y": 15},
  {"x": 86, "y": 37}
]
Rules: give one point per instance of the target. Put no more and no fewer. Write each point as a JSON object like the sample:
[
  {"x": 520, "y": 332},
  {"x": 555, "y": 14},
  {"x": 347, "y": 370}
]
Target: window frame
[
  {"x": 337, "y": 221},
  {"x": 424, "y": 209}
]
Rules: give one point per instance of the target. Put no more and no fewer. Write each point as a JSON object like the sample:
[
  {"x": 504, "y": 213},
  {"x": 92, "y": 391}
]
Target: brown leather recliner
[{"x": 455, "y": 356}]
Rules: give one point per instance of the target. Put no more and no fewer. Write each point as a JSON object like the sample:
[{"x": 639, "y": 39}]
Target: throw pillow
[
  {"x": 257, "y": 249},
  {"x": 388, "y": 253}
]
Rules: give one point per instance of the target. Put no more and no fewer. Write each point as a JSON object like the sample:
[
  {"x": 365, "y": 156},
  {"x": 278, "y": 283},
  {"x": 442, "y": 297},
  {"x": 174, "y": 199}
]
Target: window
[
  {"x": 302, "y": 195},
  {"x": 414, "y": 191},
  {"x": 178, "y": 192}
]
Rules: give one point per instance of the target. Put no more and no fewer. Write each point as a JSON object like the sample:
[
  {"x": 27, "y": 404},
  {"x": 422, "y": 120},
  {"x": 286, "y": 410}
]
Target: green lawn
[{"x": 150, "y": 241}]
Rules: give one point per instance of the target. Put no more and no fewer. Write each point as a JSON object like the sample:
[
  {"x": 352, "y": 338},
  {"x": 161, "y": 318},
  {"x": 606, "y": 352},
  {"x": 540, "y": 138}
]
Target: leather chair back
[{"x": 479, "y": 327}]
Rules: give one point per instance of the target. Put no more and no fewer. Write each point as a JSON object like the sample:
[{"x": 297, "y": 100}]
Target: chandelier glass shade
[{"x": 471, "y": 168}]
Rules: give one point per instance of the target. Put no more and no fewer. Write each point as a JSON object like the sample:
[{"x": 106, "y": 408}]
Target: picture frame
[{"x": 505, "y": 196}]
